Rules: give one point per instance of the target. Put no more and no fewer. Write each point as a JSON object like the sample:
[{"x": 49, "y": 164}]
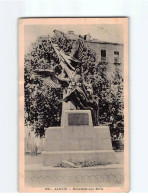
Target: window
[
  {"x": 103, "y": 53},
  {"x": 116, "y": 57},
  {"x": 116, "y": 53},
  {"x": 103, "y": 56}
]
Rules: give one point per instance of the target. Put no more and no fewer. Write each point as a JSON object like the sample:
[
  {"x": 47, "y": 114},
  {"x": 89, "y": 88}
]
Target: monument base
[{"x": 78, "y": 141}]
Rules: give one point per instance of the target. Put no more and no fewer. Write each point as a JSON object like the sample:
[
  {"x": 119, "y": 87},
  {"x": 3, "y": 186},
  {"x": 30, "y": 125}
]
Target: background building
[{"x": 108, "y": 53}]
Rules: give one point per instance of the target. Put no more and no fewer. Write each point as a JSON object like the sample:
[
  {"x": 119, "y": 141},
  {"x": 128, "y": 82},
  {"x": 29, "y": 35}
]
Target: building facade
[{"x": 107, "y": 53}]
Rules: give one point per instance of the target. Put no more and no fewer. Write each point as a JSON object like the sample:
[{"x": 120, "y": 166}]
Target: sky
[{"x": 108, "y": 33}]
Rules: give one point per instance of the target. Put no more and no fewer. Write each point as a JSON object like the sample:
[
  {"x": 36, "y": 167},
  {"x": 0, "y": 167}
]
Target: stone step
[{"x": 54, "y": 158}]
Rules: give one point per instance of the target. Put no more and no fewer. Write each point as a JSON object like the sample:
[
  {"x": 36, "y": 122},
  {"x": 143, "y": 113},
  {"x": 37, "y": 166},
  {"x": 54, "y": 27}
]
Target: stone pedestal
[{"x": 78, "y": 140}]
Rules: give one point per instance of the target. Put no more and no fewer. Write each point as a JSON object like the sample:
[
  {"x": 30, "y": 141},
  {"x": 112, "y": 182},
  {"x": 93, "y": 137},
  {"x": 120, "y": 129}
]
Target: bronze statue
[{"x": 75, "y": 89}]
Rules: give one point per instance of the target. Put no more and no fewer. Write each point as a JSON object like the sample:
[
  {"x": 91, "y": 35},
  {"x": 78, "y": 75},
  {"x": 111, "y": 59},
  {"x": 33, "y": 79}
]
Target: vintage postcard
[{"x": 73, "y": 105}]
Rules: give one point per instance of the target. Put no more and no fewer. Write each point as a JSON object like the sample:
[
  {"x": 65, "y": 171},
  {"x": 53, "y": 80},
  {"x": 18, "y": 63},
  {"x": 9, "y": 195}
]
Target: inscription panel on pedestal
[{"x": 78, "y": 119}]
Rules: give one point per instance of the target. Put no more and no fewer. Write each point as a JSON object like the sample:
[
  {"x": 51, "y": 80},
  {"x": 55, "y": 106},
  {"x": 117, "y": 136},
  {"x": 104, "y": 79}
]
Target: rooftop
[{"x": 70, "y": 35}]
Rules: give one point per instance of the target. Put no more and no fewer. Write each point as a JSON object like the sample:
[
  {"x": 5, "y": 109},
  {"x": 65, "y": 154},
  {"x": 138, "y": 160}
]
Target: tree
[
  {"x": 111, "y": 100},
  {"x": 42, "y": 102},
  {"x": 117, "y": 104}
]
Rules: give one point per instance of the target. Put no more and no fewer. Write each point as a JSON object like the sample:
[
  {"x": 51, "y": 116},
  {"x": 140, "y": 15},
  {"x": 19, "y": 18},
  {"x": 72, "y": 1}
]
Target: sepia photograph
[{"x": 73, "y": 105}]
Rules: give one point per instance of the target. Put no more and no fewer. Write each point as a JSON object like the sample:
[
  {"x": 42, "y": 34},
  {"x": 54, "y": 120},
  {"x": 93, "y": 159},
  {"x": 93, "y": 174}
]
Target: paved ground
[{"x": 104, "y": 176}]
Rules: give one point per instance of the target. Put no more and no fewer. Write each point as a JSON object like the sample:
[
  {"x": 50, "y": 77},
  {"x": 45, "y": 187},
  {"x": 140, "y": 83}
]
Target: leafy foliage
[
  {"x": 42, "y": 103},
  {"x": 111, "y": 105}
]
